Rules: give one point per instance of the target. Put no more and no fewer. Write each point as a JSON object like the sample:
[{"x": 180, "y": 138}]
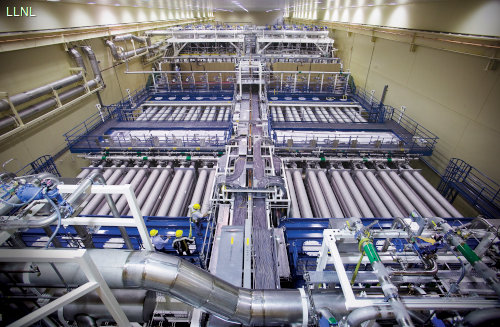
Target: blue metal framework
[
  {"x": 110, "y": 237},
  {"x": 475, "y": 187},
  {"x": 300, "y": 230},
  {"x": 43, "y": 164},
  {"x": 92, "y": 135}
]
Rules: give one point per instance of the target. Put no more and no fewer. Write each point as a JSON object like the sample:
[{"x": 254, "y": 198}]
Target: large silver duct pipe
[
  {"x": 138, "y": 306},
  {"x": 186, "y": 282},
  {"x": 94, "y": 64},
  {"x": 42, "y": 90},
  {"x": 128, "y": 37},
  {"x": 361, "y": 315},
  {"x": 304, "y": 205}
]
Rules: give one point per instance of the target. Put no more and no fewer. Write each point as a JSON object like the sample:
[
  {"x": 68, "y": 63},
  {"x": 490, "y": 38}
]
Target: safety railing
[
  {"x": 422, "y": 140},
  {"x": 479, "y": 190},
  {"x": 90, "y": 124},
  {"x": 43, "y": 164}
]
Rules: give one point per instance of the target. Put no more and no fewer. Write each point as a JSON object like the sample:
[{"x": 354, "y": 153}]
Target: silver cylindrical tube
[
  {"x": 329, "y": 195},
  {"x": 200, "y": 186},
  {"x": 169, "y": 195},
  {"x": 363, "y": 206},
  {"x": 437, "y": 196},
  {"x": 346, "y": 195},
  {"x": 154, "y": 196},
  {"x": 111, "y": 176},
  {"x": 304, "y": 206},
  {"x": 181, "y": 193},
  {"x": 391, "y": 206},
  {"x": 146, "y": 189},
  {"x": 292, "y": 196},
  {"x": 323, "y": 209},
  {"x": 126, "y": 180},
  {"x": 421, "y": 208},
  {"x": 377, "y": 201},
  {"x": 205, "y": 207}
]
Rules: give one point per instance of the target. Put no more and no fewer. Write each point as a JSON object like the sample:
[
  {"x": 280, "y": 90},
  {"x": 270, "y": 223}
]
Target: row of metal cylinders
[
  {"x": 318, "y": 114},
  {"x": 185, "y": 113},
  {"x": 160, "y": 191}
]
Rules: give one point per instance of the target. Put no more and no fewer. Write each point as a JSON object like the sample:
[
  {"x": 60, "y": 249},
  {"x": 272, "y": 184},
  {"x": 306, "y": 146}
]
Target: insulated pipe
[
  {"x": 126, "y": 54},
  {"x": 146, "y": 189},
  {"x": 324, "y": 211},
  {"x": 426, "y": 196},
  {"x": 93, "y": 204},
  {"x": 200, "y": 186},
  {"x": 154, "y": 196},
  {"x": 182, "y": 280},
  {"x": 377, "y": 201},
  {"x": 24, "y": 97},
  {"x": 94, "y": 64},
  {"x": 333, "y": 204},
  {"x": 305, "y": 208},
  {"x": 46, "y": 221},
  {"x": 168, "y": 197},
  {"x": 361, "y": 315},
  {"x": 389, "y": 203},
  {"x": 104, "y": 210},
  {"x": 397, "y": 193},
  {"x": 437, "y": 196},
  {"x": 421, "y": 208},
  {"x": 46, "y": 104},
  {"x": 346, "y": 195},
  {"x": 363, "y": 206},
  {"x": 128, "y": 37},
  {"x": 182, "y": 193},
  {"x": 205, "y": 207},
  {"x": 294, "y": 206}
]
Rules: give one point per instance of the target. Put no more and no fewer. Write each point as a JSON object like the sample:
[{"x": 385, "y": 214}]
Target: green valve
[
  {"x": 322, "y": 159},
  {"x": 468, "y": 253},
  {"x": 106, "y": 153},
  {"x": 144, "y": 158},
  {"x": 332, "y": 321},
  {"x": 188, "y": 158},
  {"x": 103, "y": 157},
  {"x": 389, "y": 159},
  {"x": 365, "y": 159},
  {"x": 300, "y": 72},
  {"x": 371, "y": 252},
  {"x": 183, "y": 153}
]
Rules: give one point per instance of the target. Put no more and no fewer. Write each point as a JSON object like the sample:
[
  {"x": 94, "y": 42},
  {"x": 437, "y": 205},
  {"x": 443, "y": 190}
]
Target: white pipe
[
  {"x": 426, "y": 196},
  {"x": 154, "y": 196},
  {"x": 397, "y": 193},
  {"x": 305, "y": 208},
  {"x": 346, "y": 195},
  {"x": 292, "y": 196},
  {"x": 330, "y": 196},
  {"x": 208, "y": 193},
  {"x": 126, "y": 180},
  {"x": 363, "y": 206},
  {"x": 421, "y": 208},
  {"x": 323, "y": 209},
  {"x": 200, "y": 186},
  {"x": 146, "y": 189},
  {"x": 377, "y": 201},
  {"x": 172, "y": 190},
  {"x": 111, "y": 176},
  {"x": 391, "y": 206},
  {"x": 448, "y": 206}
]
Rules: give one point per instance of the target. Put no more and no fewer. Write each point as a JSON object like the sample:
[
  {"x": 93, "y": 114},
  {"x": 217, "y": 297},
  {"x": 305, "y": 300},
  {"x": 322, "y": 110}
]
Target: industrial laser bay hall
[{"x": 250, "y": 163}]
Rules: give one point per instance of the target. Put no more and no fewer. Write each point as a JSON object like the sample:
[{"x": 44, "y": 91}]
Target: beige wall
[
  {"x": 450, "y": 94},
  {"x": 56, "y": 15},
  {"x": 456, "y": 16},
  {"x": 25, "y": 69},
  {"x": 256, "y": 18}
]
